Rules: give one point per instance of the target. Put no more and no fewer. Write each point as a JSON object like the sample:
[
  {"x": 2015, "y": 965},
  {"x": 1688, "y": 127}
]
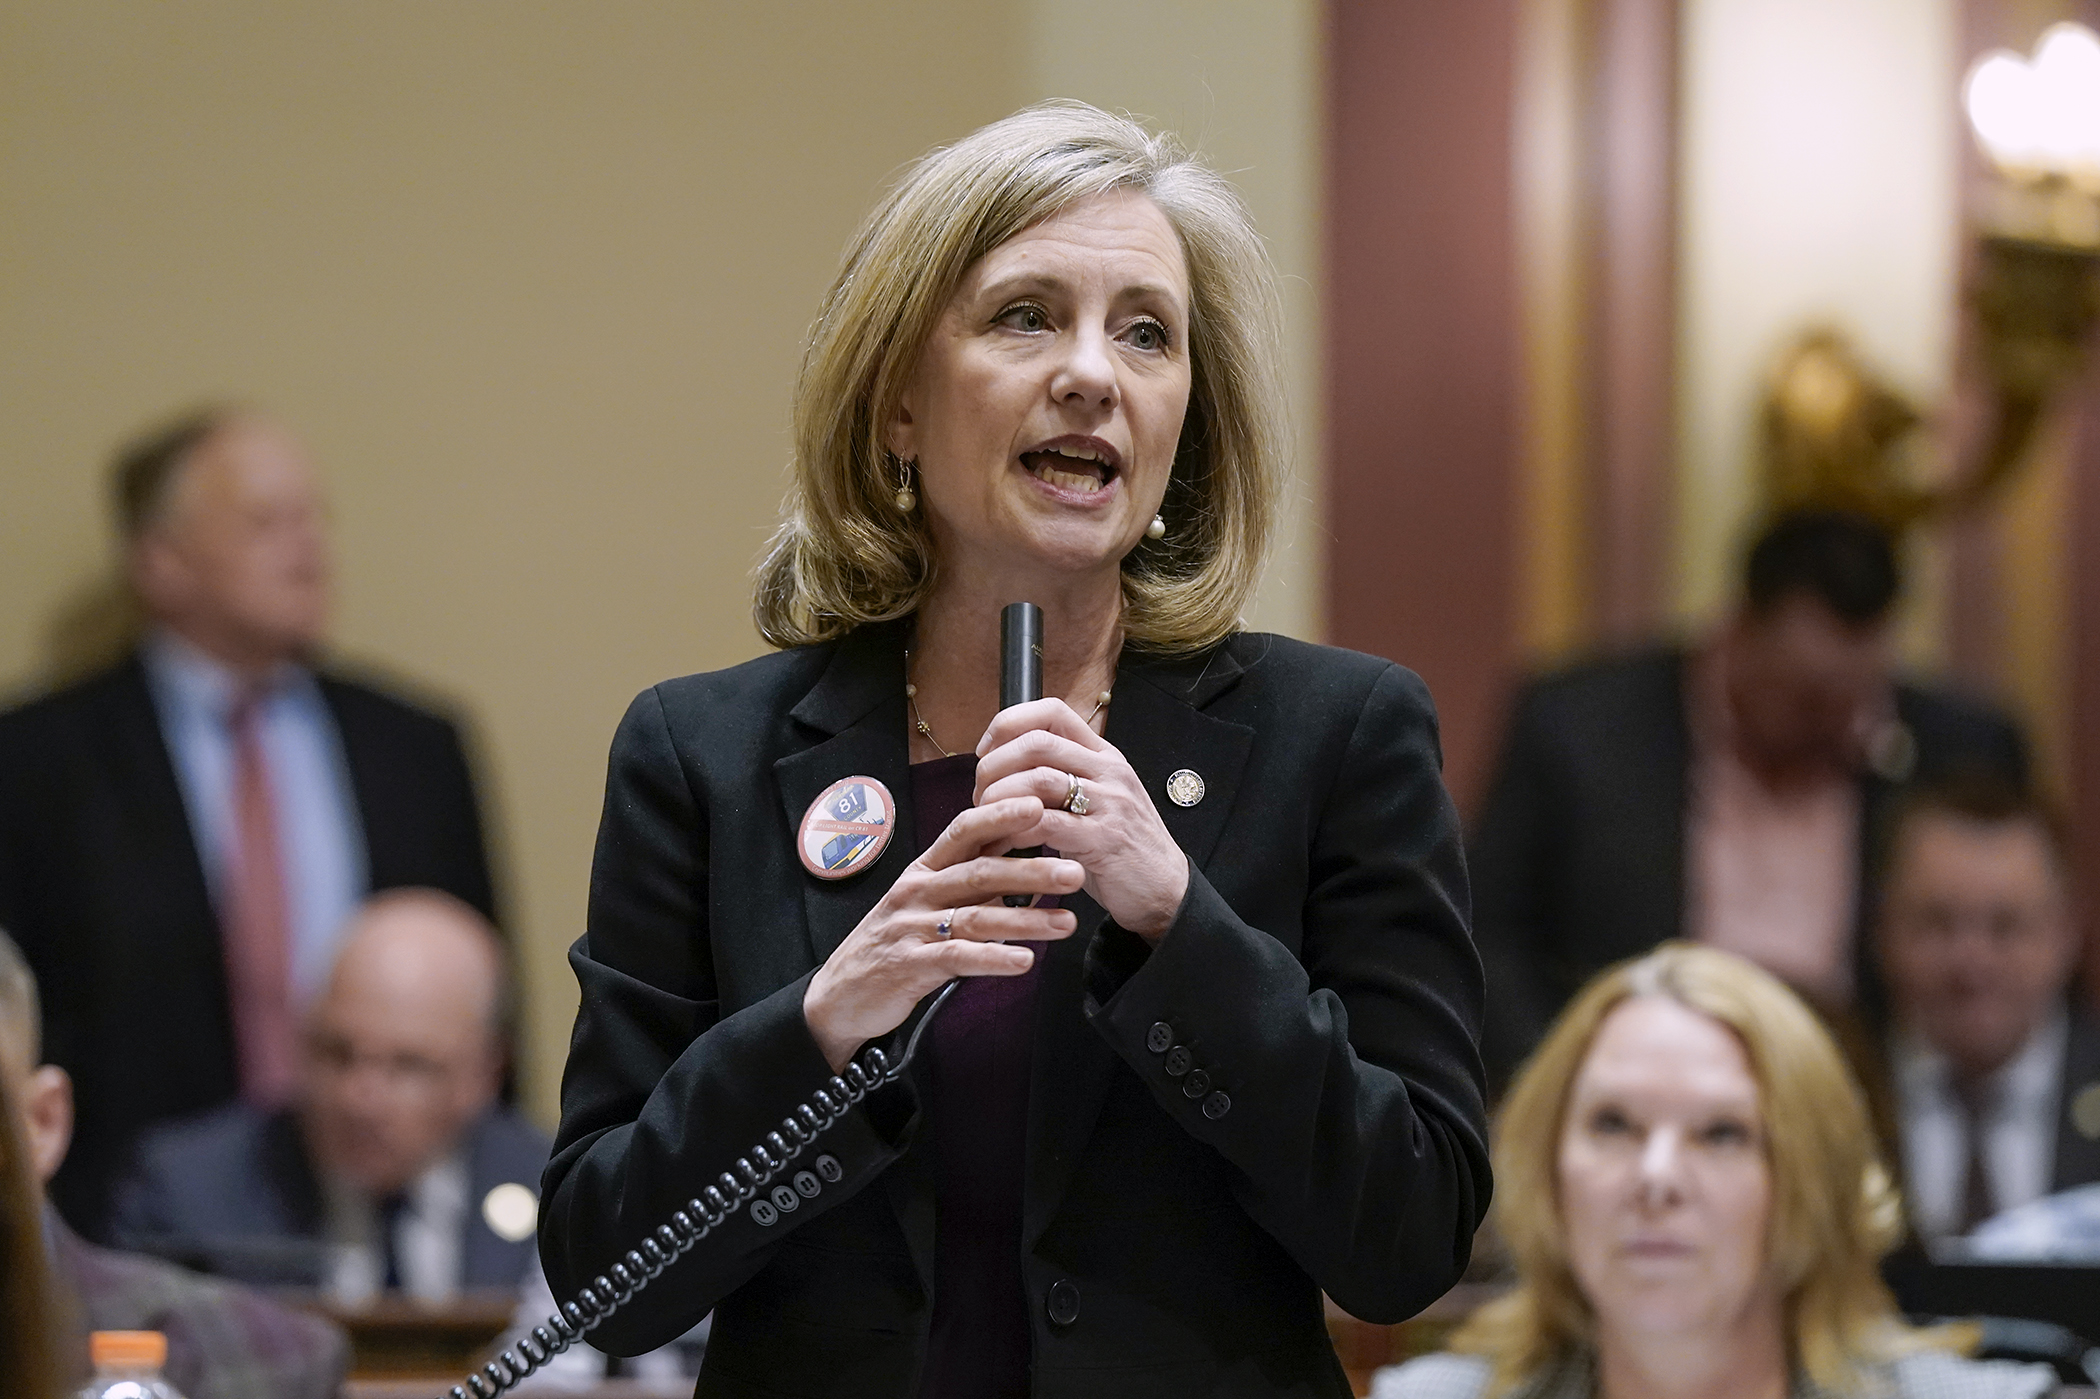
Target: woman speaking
[{"x": 1215, "y": 1050}]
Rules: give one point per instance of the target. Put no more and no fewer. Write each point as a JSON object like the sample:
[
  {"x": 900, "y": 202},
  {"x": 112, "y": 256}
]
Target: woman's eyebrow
[
  {"x": 1154, "y": 293},
  {"x": 1049, "y": 283},
  {"x": 1014, "y": 283}
]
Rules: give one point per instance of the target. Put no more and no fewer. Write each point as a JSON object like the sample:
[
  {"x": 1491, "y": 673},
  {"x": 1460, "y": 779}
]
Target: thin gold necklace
[{"x": 911, "y": 697}]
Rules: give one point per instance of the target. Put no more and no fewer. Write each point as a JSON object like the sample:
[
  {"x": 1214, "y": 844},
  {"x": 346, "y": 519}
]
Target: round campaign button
[{"x": 847, "y": 828}]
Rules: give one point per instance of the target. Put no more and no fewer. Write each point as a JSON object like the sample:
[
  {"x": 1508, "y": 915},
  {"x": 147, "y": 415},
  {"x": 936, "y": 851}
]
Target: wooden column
[
  {"x": 1631, "y": 152},
  {"x": 2083, "y": 779},
  {"x": 1423, "y": 362}
]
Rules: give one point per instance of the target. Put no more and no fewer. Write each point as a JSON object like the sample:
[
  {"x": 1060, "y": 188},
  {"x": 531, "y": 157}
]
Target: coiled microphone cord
[{"x": 639, "y": 1266}]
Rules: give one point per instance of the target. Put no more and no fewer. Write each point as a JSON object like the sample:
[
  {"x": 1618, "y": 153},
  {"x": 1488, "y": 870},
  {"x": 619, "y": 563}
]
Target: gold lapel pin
[
  {"x": 2085, "y": 1111},
  {"x": 511, "y": 1211},
  {"x": 1185, "y": 787}
]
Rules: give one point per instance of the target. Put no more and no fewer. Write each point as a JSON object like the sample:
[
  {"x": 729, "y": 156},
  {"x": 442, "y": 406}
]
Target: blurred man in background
[
  {"x": 224, "y": 1342},
  {"x": 183, "y": 836},
  {"x": 1994, "y": 1072},
  {"x": 1722, "y": 793},
  {"x": 396, "y": 1169}
]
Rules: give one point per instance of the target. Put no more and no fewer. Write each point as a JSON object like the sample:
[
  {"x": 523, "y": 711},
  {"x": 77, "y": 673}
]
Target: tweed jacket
[
  {"x": 224, "y": 1341},
  {"x": 1283, "y": 1094}
]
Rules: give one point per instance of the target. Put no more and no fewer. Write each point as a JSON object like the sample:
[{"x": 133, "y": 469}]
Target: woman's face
[
  {"x": 1046, "y": 408},
  {"x": 1664, "y": 1189}
]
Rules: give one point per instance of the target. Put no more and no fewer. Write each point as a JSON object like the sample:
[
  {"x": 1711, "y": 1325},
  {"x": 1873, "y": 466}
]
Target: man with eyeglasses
[
  {"x": 1994, "y": 1066},
  {"x": 396, "y": 1169}
]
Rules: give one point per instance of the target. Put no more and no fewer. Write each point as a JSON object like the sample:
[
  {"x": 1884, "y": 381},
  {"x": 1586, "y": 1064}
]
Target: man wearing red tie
[{"x": 184, "y": 835}]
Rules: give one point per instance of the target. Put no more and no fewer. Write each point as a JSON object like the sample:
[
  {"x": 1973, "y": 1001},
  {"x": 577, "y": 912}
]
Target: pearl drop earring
[
  {"x": 906, "y": 500},
  {"x": 1157, "y": 529}
]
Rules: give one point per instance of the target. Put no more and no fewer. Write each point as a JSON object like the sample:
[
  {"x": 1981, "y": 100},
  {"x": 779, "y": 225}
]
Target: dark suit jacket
[
  {"x": 2078, "y": 1129},
  {"x": 2077, "y": 1156},
  {"x": 102, "y": 886},
  {"x": 1319, "y": 971},
  {"x": 1578, "y": 852},
  {"x": 234, "y": 1191},
  {"x": 224, "y": 1341}
]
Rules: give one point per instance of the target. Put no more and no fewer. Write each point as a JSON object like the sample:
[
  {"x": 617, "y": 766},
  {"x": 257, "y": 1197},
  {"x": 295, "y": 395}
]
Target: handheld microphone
[
  {"x": 1020, "y": 680},
  {"x": 1020, "y": 654}
]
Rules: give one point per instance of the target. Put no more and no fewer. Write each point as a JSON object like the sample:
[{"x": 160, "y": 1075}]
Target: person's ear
[
  {"x": 482, "y": 1084},
  {"x": 47, "y": 1116},
  {"x": 160, "y": 574},
  {"x": 900, "y": 434}
]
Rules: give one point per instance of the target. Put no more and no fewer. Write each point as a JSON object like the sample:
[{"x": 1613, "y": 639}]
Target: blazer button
[
  {"x": 1159, "y": 1037},
  {"x": 1196, "y": 1084},
  {"x": 1063, "y": 1302},
  {"x": 1216, "y": 1106},
  {"x": 1179, "y": 1061}
]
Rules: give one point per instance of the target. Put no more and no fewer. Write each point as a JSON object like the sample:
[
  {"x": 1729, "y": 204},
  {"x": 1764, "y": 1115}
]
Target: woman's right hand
[{"x": 896, "y": 957}]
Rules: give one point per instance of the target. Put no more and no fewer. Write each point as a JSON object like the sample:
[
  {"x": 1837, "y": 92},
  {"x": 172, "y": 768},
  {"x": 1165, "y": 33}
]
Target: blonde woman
[
  {"x": 1230, "y": 1059},
  {"x": 1692, "y": 1196},
  {"x": 30, "y": 1315}
]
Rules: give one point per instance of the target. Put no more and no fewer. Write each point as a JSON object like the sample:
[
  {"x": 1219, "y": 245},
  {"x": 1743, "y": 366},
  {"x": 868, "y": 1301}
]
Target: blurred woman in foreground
[
  {"x": 28, "y": 1314},
  {"x": 1688, "y": 1185}
]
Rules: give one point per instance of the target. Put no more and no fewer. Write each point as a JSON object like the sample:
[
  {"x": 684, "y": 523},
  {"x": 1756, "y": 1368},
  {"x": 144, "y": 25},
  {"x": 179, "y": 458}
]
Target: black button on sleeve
[
  {"x": 1216, "y": 1106},
  {"x": 1196, "y": 1084},
  {"x": 1063, "y": 1302},
  {"x": 1179, "y": 1061},
  {"x": 1159, "y": 1037}
]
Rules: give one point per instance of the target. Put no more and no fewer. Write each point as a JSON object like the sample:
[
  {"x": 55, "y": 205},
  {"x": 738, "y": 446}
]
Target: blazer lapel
[
  {"x": 855, "y": 714},
  {"x": 1157, "y": 720},
  {"x": 855, "y": 717}
]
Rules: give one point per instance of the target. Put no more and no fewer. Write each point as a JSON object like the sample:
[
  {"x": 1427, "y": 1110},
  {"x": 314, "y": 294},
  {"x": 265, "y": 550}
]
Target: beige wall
[
  {"x": 530, "y": 279},
  {"x": 1817, "y": 172},
  {"x": 1240, "y": 81}
]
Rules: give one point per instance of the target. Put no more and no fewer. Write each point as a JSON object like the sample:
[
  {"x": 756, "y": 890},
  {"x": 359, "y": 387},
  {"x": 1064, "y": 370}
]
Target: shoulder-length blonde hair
[
  {"x": 30, "y": 1315},
  {"x": 844, "y": 554},
  {"x": 1834, "y": 1210}
]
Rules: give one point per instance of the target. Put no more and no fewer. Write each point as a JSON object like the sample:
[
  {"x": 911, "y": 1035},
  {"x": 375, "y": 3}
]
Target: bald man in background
[
  {"x": 395, "y": 1168},
  {"x": 224, "y": 1341},
  {"x": 184, "y": 835}
]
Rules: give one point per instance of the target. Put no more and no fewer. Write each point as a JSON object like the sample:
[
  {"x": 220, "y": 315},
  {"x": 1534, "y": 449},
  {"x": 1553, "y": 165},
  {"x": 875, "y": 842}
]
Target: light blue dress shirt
[{"x": 319, "y": 833}]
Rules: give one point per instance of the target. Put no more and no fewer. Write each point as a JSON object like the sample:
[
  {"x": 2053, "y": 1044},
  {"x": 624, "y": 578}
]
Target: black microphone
[
  {"x": 1020, "y": 654},
  {"x": 1020, "y": 680}
]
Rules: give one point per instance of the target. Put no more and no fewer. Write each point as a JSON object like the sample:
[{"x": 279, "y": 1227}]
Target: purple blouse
[{"x": 978, "y": 1056}]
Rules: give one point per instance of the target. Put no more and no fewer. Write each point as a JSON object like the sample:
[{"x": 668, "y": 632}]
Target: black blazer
[
  {"x": 1320, "y": 972},
  {"x": 2078, "y": 1106},
  {"x": 102, "y": 886},
  {"x": 1578, "y": 852},
  {"x": 234, "y": 1193}
]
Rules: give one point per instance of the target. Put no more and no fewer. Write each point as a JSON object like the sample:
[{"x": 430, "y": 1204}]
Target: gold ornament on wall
[{"x": 1836, "y": 436}]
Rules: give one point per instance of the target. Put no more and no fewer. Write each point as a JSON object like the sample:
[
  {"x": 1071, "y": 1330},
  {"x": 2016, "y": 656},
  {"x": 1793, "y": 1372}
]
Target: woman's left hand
[{"x": 1134, "y": 870}]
